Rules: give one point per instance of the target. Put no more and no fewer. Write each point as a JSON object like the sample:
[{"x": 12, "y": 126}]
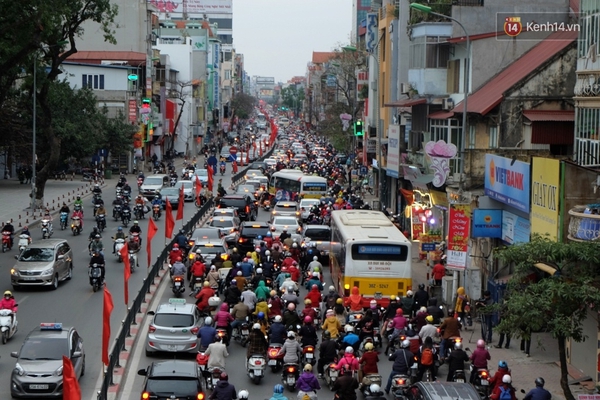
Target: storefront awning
[{"x": 549, "y": 115}]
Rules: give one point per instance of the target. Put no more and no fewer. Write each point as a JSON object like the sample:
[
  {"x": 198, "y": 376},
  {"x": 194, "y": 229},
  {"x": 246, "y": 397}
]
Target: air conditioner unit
[
  {"x": 404, "y": 87},
  {"x": 447, "y": 104},
  {"x": 373, "y": 84}
]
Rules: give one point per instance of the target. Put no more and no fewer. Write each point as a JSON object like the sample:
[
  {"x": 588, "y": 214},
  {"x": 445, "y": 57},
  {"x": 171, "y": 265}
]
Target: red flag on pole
[
  {"x": 210, "y": 178},
  {"x": 170, "y": 223},
  {"x": 106, "y": 311},
  {"x": 71, "y": 390},
  {"x": 234, "y": 167},
  {"x": 152, "y": 229},
  {"x": 260, "y": 153},
  {"x": 180, "y": 205},
  {"x": 126, "y": 271},
  {"x": 248, "y": 156},
  {"x": 198, "y": 189}
]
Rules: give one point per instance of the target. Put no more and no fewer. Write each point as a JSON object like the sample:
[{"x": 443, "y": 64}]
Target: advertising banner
[
  {"x": 194, "y": 6},
  {"x": 459, "y": 222},
  {"x": 487, "y": 223},
  {"x": 393, "y": 160},
  {"x": 416, "y": 224},
  {"x": 545, "y": 196},
  {"x": 515, "y": 229},
  {"x": 371, "y": 40},
  {"x": 507, "y": 181}
]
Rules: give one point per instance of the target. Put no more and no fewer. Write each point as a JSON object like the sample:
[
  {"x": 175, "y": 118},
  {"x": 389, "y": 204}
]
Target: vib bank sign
[{"x": 507, "y": 181}]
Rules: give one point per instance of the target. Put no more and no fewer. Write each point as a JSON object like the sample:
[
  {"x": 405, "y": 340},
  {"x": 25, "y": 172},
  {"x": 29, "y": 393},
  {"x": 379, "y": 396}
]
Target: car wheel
[
  {"x": 54, "y": 282},
  {"x": 69, "y": 273}
]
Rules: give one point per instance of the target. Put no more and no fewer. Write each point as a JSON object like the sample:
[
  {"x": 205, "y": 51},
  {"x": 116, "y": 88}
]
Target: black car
[
  {"x": 250, "y": 231},
  {"x": 442, "y": 391},
  {"x": 246, "y": 207},
  {"x": 259, "y": 165},
  {"x": 174, "y": 379}
]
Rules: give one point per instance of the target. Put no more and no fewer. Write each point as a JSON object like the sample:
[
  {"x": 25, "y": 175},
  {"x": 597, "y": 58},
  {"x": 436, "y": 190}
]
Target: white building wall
[{"x": 114, "y": 78}]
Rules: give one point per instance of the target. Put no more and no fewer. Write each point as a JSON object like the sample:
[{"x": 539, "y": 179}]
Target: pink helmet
[{"x": 481, "y": 343}]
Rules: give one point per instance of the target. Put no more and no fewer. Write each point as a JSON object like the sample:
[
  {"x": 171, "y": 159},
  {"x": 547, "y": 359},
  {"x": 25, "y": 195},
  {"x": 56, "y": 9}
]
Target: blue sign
[
  {"x": 428, "y": 246},
  {"x": 487, "y": 223},
  {"x": 363, "y": 170},
  {"x": 371, "y": 40},
  {"x": 515, "y": 229},
  {"x": 507, "y": 181},
  {"x": 382, "y": 249}
]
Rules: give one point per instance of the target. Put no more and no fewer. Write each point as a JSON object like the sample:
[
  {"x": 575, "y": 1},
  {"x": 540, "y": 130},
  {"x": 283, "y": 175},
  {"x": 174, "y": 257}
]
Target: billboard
[
  {"x": 487, "y": 223},
  {"x": 372, "y": 20},
  {"x": 515, "y": 229},
  {"x": 545, "y": 196},
  {"x": 459, "y": 223},
  {"x": 393, "y": 160},
  {"x": 507, "y": 181},
  {"x": 194, "y": 6}
]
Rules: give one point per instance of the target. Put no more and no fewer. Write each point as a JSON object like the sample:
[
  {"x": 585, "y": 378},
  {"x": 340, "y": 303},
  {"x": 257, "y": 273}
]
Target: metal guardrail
[
  {"x": 136, "y": 306},
  {"x": 240, "y": 175}
]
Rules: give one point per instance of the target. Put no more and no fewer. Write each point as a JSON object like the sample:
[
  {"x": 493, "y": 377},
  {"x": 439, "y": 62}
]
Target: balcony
[{"x": 584, "y": 223}]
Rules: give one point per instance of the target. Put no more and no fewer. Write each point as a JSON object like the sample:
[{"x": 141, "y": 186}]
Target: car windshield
[
  {"x": 250, "y": 231},
  {"x": 308, "y": 203},
  {"x": 167, "y": 386},
  {"x": 318, "y": 234},
  {"x": 285, "y": 221},
  {"x": 201, "y": 172},
  {"x": 211, "y": 249},
  {"x": 170, "y": 192},
  {"x": 237, "y": 203},
  {"x": 34, "y": 254},
  {"x": 222, "y": 223},
  {"x": 153, "y": 181},
  {"x": 245, "y": 188},
  {"x": 185, "y": 184},
  {"x": 286, "y": 207},
  {"x": 173, "y": 320},
  {"x": 44, "y": 349}
]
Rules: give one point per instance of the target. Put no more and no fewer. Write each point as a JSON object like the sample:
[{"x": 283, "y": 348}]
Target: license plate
[
  {"x": 309, "y": 355},
  {"x": 333, "y": 374},
  {"x": 484, "y": 382},
  {"x": 291, "y": 381},
  {"x": 257, "y": 372},
  {"x": 30, "y": 278},
  {"x": 245, "y": 332},
  {"x": 177, "y": 284},
  {"x": 272, "y": 362},
  {"x": 172, "y": 347},
  {"x": 38, "y": 387},
  {"x": 460, "y": 381},
  {"x": 215, "y": 381}
]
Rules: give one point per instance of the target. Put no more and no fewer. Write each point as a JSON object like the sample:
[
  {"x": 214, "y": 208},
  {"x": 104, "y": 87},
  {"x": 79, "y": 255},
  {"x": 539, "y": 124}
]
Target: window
[
  {"x": 471, "y": 137},
  {"x": 589, "y": 27},
  {"x": 493, "y": 137},
  {"x": 227, "y": 74},
  {"x": 429, "y": 52},
  {"x": 92, "y": 81},
  {"x": 453, "y": 77}
]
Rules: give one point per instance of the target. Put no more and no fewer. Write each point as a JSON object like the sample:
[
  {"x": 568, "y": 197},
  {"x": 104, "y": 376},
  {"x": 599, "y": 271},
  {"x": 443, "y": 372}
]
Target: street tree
[
  {"x": 292, "y": 98},
  {"x": 243, "y": 105},
  {"x": 559, "y": 303},
  {"x": 41, "y": 35}
]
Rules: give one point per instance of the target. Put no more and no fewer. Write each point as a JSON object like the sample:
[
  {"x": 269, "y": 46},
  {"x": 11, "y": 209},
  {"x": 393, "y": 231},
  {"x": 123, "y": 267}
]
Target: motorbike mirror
[
  {"x": 142, "y": 372},
  {"x": 150, "y": 313},
  {"x": 60, "y": 257},
  {"x": 16, "y": 304},
  {"x": 77, "y": 354},
  {"x": 14, "y": 354},
  {"x": 467, "y": 349}
]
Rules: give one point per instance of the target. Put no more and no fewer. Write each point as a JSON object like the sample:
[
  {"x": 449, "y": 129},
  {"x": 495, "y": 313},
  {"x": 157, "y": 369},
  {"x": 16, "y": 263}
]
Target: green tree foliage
[
  {"x": 243, "y": 105},
  {"x": 443, "y": 7},
  {"x": 559, "y": 303},
  {"x": 292, "y": 98}
]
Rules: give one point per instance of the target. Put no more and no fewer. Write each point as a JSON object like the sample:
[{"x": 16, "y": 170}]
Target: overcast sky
[{"x": 277, "y": 37}]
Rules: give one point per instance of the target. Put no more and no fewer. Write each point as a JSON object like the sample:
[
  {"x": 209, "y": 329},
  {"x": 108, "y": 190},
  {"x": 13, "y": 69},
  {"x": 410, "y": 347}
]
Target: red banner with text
[{"x": 459, "y": 222}]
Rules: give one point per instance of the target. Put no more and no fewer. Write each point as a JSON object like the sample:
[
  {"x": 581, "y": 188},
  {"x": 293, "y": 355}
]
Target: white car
[
  {"x": 227, "y": 213},
  {"x": 188, "y": 189},
  {"x": 286, "y": 208},
  {"x": 227, "y": 225},
  {"x": 290, "y": 223},
  {"x": 306, "y": 205}
]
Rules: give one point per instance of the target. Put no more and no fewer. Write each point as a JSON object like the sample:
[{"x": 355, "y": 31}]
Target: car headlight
[
  {"x": 14, "y": 272},
  {"x": 59, "y": 371},
  {"x": 48, "y": 271},
  {"x": 19, "y": 370}
]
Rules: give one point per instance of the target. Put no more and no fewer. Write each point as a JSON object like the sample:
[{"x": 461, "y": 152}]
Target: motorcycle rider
[
  {"x": 327, "y": 352},
  {"x": 350, "y": 338},
  {"x": 119, "y": 235},
  {"x": 428, "y": 330},
  {"x": 98, "y": 259},
  {"x": 207, "y": 333},
  {"x": 355, "y": 300},
  {"x": 223, "y": 320},
  {"x": 375, "y": 393},
  {"x": 182, "y": 240},
  {"x": 403, "y": 360},
  {"x": 496, "y": 380},
  {"x": 223, "y": 389},
  {"x": 217, "y": 352},
  {"x": 25, "y": 232},
  {"x": 456, "y": 361},
  {"x": 178, "y": 269},
  {"x": 134, "y": 244},
  {"x": 399, "y": 324},
  {"x": 8, "y": 227},
  {"x": 331, "y": 324},
  {"x": 368, "y": 363},
  {"x": 96, "y": 245},
  {"x": 203, "y": 296},
  {"x": 95, "y": 231},
  {"x": 249, "y": 298},
  {"x": 239, "y": 312},
  {"x": 101, "y": 210},
  {"x": 290, "y": 350},
  {"x": 48, "y": 217},
  {"x": 314, "y": 281},
  {"x": 78, "y": 203},
  {"x": 539, "y": 393},
  {"x": 479, "y": 358},
  {"x": 421, "y": 297},
  {"x": 277, "y": 331},
  {"x": 275, "y": 304},
  {"x": 330, "y": 298},
  {"x": 314, "y": 295},
  {"x": 8, "y": 303},
  {"x": 257, "y": 344},
  {"x": 278, "y": 393},
  {"x": 175, "y": 253},
  {"x": 449, "y": 328},
  {"x": 197, "y": 270},
  {"x": 96, "y": 189},
  {"x": 345, "y": 386},
  {"x": 290, "y": 316},
  {"x": 505, "y": 390},
  {"x": 135, "y": 228},
  {"x": 232, "y": 294},
  {"x": 307, "y": 384},
  {"x": 65, "y": 208},
  {"x": 308, "y": 310},
  {"x": 308, "y": 333}
]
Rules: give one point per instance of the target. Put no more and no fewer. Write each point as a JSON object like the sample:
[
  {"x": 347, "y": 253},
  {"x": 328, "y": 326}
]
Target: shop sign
[
  {"x": 487, "y": 223},
  {"x": 515, "y": 229},
  {"x": 459, "y": 222},
  {"x": 507, "y": 181},
  {"x": 545, "y": 196}
]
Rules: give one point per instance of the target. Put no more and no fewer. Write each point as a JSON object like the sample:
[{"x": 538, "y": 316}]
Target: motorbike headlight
[
  {"x": 19, "y": 370},
  {"x": 48, "y": 271},
  {"x": 59, "y": 371}
]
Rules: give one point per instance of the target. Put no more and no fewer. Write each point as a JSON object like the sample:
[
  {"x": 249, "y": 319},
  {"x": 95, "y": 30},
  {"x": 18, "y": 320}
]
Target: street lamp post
[{"x": 427, "y": 10}]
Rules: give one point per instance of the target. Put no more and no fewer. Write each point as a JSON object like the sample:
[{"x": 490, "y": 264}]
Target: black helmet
[
  {"x": 540, "y": 382},
  {"x": 327, "y": 335},
  {"x": 421, "y": 286}
]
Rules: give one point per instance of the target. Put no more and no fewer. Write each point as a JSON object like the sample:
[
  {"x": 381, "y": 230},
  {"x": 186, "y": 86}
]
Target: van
[{"x": 152, "y": 184}]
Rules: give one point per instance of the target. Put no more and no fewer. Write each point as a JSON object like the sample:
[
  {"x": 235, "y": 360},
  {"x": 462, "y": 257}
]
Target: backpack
[
  {"x": 427, "y": 356},
  {"x": 505, "y": 394}
]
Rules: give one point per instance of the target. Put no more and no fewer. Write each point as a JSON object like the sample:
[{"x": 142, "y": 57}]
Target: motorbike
[
  {"x": 459, "y": 376},
  {"x": 127, "y": 194},
  {"x": 196, "y": 285},
  {"x": 240, "y": 334},
  {"x": 8, "y": 324},
  {"x": 97, "y": 196},
  {"x": 368, "y": 380},
  {"x": 46, "y": 229},
  {"x": 125, "y": 216},
  {"x": 24, "y": 241},
  {"x": 117, "y": 212},
  {"x": 400, "y": 385},
  {"x": 178, "y": 286},
  {"x": 222, "y": 333},
  {"x": 138, "y": 211},
  {"x": 355, "y": 317},
  {"x": 156, "y": 212},
  {"x": 222, "y": 169},
  {"x": 6, "y": 246},
  {"x": 133, "y": 260},
  {"x": 64, "y": 219},
  {"x": 267, "y": 205},
  {"x": 140, "y": 181},
  {"x": 308, "y": 355},
  {"x": 173, "y": 181},
  {"x": 331, "y": 374},
  {"x": 275, "y": 361},
  {"x": 96, "y": 208},
  {"x": 119, "y": 192},
  {"x": 76, "y": 226},
  {"x": 290, "y": 376},
  {"x": 96, "y": 277},
  {"x": 255, "y": 367},
  {"x": 119, "y": 244},
  {"x": 101, "y": 222},
  {"x": 481, "y": 382},
  {"x": 377, "y": 337}
]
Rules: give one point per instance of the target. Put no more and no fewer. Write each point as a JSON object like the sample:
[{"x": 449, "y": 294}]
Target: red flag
[
  {"x": 260, "y": 151},
  {"x": 198, "y": 189},
  {"x": 152, "y": 229},
  {"x": 71, "y": 389},
  {"x": 210, "y": 178},
  {"x": 254, "y": 145},
  {"x": 170, "y": 223},
  {"x": 126, "y": 270},
  {"x": 234, "y": 167},
  {"x": 107, "y": 310},
  {"x": 180, "y": 205},
  {"x": 248, "y": 156}
]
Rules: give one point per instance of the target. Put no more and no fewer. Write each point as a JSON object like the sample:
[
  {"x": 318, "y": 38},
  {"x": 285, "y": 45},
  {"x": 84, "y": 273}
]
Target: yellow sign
[{"x": 545, "y": 196}]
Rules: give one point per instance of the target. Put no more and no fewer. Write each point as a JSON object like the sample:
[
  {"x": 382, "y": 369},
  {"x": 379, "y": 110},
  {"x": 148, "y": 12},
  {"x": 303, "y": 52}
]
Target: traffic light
[{"x": 358, "y": 128}]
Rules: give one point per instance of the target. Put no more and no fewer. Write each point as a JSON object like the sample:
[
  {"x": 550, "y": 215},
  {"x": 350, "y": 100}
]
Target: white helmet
[
  {"x": 208, "y": 321},
  {"x": 277, "y": 318},
  {"x": 405, "y": 344},
  {"x": 267, "y": 253},
  {"x": 256, "y": 326},
  {"x": 349, "y": 350},
  {"x": 349, "y": 328},
  {"x": 315, "y": 258},
  {"x": 374, "y": 388},
  {"x": 409, "y": 293},
  {"x": 506, "y": 379},
  {"x": 243, "y": 394},
  {"x": 259, "y": 270}
]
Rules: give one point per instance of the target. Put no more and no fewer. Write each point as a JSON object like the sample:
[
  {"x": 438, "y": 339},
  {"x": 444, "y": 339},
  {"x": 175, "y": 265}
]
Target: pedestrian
[
  {"x": 438, "y": 272},
  {"x": 525, "y": 340},
  {"x": 28, "y": 174},
  {"x": 503, "y": 332},
  {"x": 483, "y": 307}
]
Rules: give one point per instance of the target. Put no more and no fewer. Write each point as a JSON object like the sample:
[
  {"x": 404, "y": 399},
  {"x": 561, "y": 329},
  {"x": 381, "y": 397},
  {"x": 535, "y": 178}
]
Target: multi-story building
[
  {"x": 264, "y": 88},
  {"x": 360, "y": 8},
  {"x": 316, "y": 89}
]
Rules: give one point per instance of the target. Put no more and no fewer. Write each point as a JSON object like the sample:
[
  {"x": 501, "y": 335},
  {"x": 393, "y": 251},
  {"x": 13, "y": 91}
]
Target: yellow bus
[
  {"x": 285, "y": 184},
  {"x": 370, "y": 252}
]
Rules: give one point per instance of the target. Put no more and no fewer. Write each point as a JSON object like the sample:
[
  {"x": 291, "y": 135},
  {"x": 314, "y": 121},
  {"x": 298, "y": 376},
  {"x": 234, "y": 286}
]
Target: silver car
[
  {"x": 189, "y": 189},
  {"x": 43, "y": 263},
  {"x": 286, "y": 208},
  {"x": 173, "y": 328},
  {"x": 38, "y": 371}
]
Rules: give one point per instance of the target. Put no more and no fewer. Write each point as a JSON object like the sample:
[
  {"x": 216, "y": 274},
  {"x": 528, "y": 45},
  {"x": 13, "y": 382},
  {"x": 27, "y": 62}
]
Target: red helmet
[
  {"x": 399, "y": 311},
  {"x": 314, "y": 287},
  {"x": 178, "y": 258},
  {"x": 308, "y": 319},
  {"x": 175, "y": 246},
  {"x": 224, "y": 376}
]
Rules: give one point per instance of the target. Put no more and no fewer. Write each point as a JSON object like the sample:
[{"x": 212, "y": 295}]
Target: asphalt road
[{"x": 74, "y": 303}]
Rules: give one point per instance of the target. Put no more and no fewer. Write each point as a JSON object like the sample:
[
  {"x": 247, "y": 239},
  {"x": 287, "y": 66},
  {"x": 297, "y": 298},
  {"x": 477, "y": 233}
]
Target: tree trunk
[
  {"x": 564, "y": 373},
  {"x": 172, "y": 147}
]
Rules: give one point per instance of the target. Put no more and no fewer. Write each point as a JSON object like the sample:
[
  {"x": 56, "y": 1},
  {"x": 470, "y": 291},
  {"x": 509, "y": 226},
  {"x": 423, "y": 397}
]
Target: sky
[{"x": 277, "y": 37}]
